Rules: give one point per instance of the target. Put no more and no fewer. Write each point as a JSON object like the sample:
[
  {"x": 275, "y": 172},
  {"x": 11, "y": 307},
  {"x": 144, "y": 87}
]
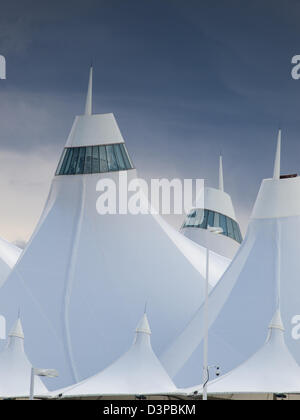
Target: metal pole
[
  {"x": 205, "y": 345},
  {"x": 31, "y": 397}
]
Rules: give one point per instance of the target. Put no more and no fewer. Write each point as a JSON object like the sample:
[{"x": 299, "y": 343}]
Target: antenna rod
[
  {"x": 276, "y": 174},
  {"x": 221, "y": 177},
  {"x": 89, "y": 96}
]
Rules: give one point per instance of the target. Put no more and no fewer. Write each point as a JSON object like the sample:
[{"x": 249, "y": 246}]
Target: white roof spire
[
  {"x": 221, "y": 177},
  {"x": 137, "y": 372},
  {"x": 277, "y": 157},
  {"x": 89, "y": 96},
  {"x": 15, "y": 367},
  {"x": 17, "y": 330},
  {"x": 272, "y": 369},
  {"x": 143, "y": 326},
  {"x": 276, "y": 322}
]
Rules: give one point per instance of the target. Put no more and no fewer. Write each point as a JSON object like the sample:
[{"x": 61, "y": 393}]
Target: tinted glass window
[
  {"x": 203, "y": 225},
  {"x": 88, "y": 161},
  {"x": 216, "y": 219},
  {"x": 93, "y": 159},
  {"x": 68, "y": 161},
  {"x": 119, "y": 157},
  {"x": 200, "y": 217},
  {"x": 125, "y": 155},
  {"x": 80, "y": 162},
  {"x": 203, "y": 218},
  {"x": 103, "y": 159},
  {"x": 74, "y": 160},
  {"x": 223, "y": 224},
  {"x": 210, "y": 221},
  {"x": 62, "y": 160},
  {"x": 111, "y": 159}
]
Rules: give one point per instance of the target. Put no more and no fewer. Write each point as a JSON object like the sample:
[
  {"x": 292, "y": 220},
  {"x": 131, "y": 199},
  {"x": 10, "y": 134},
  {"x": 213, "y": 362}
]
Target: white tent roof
[
  {"x": 137, "y": 372},
  {"x": 15, "y": 368},
  {"x": 81, "y": 268},
  {"x": 219, "y": 202},
  {"x": 236, "y": 331},
  {"x": 271, "y": 370}
]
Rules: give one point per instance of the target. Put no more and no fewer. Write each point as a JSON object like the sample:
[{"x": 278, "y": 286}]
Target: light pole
[
  {"x": 216, "y": 231},
  {"x": 48, "y": 373}
]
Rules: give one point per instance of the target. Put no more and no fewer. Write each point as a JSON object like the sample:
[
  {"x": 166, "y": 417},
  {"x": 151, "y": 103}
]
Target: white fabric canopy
[
  {"x": 246, "y": 297},
  {"x": 15, "y": 368},
  {"x": 271, "y": 370},
  {"x": 137, "y": 372},
  {"x": 83, "y": 271}
]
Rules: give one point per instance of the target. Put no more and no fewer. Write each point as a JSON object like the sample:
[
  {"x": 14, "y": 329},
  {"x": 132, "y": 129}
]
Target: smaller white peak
[
  {"x": 276, "y": 322},
  {"x": 17, "y": 330},
  {"x": 143, "y": 325}
]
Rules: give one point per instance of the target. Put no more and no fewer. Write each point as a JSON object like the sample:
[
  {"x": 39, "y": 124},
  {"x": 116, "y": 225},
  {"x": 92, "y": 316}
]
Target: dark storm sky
[{"x": 186, "y": 79}]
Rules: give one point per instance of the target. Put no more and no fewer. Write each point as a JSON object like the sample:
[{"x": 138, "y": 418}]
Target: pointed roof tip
[
  {"x": 89, "y": 96},
  {"x": 276, "y": 322},
  {"x": 221, "y": 176},
  {"x": 143, "y": 325},
  {"x": 17, "y": 330},
  {"x": 277, "y": 162}
]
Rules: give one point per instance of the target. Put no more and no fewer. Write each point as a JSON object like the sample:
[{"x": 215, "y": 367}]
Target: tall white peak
[
  {"x": 221, "y": 176},
  {"x": 276, "y": 174},
  {"x": 136, "y": 372},
  {"x": 89, "y": 96}
]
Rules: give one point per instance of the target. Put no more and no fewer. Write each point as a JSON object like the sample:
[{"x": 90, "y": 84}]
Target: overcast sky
[{"x": 186, "y": 80}]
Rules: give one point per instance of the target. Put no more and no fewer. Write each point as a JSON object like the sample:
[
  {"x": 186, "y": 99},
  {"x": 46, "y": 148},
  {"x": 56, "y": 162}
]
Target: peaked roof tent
[
  {"x": 93, "y": 262},
  {"x": 214, "y": 208},
  {"x": 95, "y": 144},
  {"x": 137, "y": 372},
  {"x": 15, "y": 367},
  {"x": 274, "y": 229},
  {"x": 270, "y": 370}
]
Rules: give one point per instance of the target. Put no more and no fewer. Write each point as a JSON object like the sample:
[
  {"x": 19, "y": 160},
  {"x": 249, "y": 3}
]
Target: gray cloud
[{"x": 186, "y": 80}]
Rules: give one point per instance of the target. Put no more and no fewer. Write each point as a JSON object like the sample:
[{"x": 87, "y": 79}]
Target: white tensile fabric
[
  {"x": 15, "y": 368},
  {"x": 246, "y": 297},
  {"x": 137, "y": 372},
  {"x": 83, "y": 276},
  {"x": 271, "y": 370}
]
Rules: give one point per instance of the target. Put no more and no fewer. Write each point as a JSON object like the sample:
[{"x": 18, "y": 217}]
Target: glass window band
[
  {"x": 94, "y": 159},
  {"x": 199, "y": 218}
]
